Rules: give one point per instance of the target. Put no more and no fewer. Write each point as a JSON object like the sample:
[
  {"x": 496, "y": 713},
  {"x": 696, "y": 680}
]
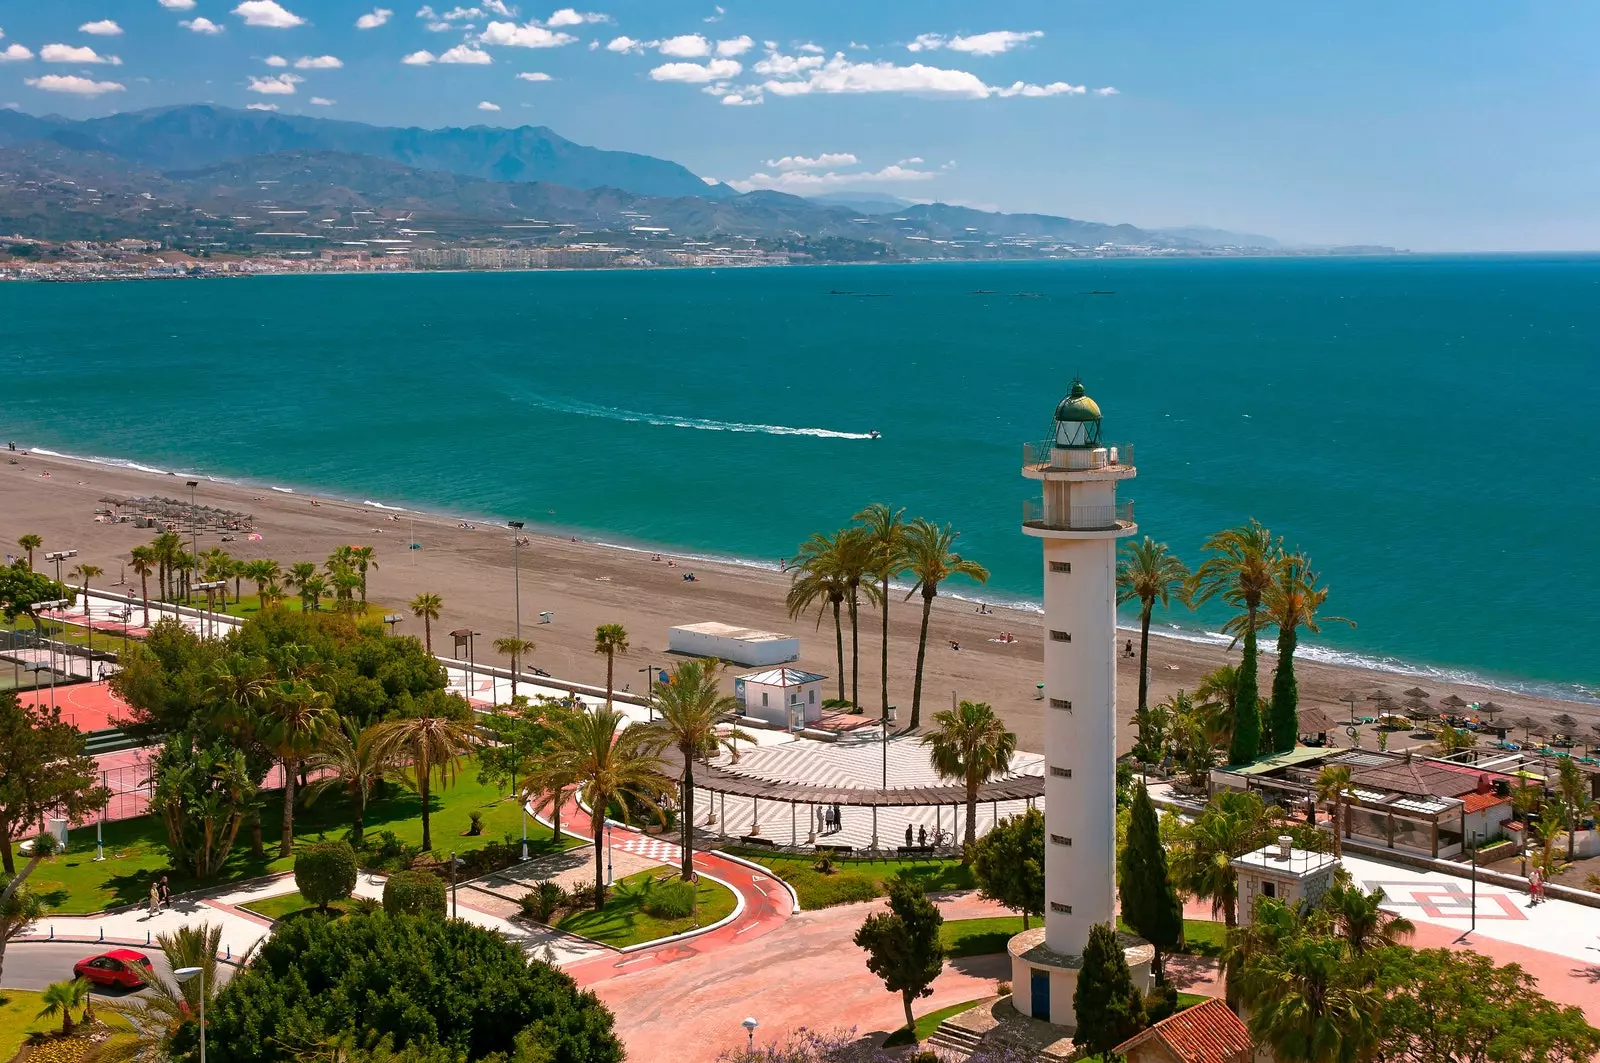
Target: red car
[{"x": 117, "y": 967}]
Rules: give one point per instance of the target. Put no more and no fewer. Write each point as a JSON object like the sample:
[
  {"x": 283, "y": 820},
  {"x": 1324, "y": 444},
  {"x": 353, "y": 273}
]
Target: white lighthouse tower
[{"x": 1078, "y": 521}]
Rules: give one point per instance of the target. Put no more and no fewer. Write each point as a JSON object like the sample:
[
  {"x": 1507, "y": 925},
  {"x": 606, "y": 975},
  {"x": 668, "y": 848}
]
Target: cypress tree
[
  {"x": 1246, "y": 711},
  {"x": 1150, "y": 904},
  {"x": 1108, "y": 1005},
  {"x": 1285, "y": 694}
]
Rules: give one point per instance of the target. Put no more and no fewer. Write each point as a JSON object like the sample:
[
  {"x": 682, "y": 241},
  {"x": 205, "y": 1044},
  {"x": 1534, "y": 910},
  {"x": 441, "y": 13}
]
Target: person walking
[
  {"x": 155, "y": 899},
  {"x": 166, "y": 893},
  {"x": 922, "y": 836},
  {"x": 908, "y": 835}
]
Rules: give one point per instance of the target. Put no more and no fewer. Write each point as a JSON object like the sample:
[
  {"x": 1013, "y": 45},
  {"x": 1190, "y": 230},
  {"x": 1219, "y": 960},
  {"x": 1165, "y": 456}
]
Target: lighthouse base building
[{"x": 1078, "y": 522}]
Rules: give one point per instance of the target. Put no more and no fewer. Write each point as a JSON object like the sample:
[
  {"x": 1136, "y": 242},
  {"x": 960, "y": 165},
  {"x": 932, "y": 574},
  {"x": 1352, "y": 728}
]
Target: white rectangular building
[
  {"x": 728, "y": 642},
  {"x": 783, "y": 697}
]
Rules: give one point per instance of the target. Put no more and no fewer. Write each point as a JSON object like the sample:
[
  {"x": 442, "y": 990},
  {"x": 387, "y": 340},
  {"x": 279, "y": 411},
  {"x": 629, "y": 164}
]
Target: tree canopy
[
  {"x": 43, "y": 772},
  {"x": 1008, "y": 863},
  {"x": 902, "y": 944}
]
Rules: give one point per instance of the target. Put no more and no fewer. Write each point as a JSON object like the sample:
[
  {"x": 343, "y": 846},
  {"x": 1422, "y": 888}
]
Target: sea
[{"x": 1424, "y": 427}]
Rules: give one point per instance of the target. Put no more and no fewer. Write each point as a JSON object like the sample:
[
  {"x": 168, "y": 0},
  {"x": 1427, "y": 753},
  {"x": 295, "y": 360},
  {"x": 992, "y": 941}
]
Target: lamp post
[
  {"x": 210, "y": 623},
  {"x": 750, "y": 1025},
  {"x": 516, "y": 570},
  {"x": 649, "y": 671},
  {"x": 59, "y": 556},
  {"x": 455, "y": 862},
  {"x": 185, "y": 974},
  {"x": 1473, "y": 838},
  {"x": 392, "y": 619},
  {"x": 194, "y": 520}
]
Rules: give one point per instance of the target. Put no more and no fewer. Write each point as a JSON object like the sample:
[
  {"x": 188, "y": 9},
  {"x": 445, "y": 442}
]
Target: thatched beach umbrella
[
  {"x": 1489, "y": 709},
  {"x": 1417, "y": 692},
  {"x": 1528, "y": 725},
  {"x": 1353, "y": 699},
  {"x": 1452, "y": 703},
  {"x": 1567, "y": 724}
]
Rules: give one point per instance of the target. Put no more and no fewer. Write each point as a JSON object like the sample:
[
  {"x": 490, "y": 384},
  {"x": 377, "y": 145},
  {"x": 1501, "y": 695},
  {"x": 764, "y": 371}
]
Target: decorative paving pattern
[
  {"x": 653, "y": 849},
  {"x": 1446, "y": 900}
]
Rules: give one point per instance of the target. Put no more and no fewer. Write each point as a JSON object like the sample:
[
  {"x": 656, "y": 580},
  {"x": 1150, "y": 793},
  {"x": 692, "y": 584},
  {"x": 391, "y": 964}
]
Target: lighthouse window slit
[
  {"x": 1061, "y": 566},
  {"x": 1064, "y": 909},
  {"x": 1061, "y": 636},
  {"x": 1061, "y": 773},
  {"x": 1061, "y": 703}
]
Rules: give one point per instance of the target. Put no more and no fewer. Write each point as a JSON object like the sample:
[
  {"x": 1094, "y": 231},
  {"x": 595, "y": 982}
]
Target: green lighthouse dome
[{"x": 1078, "y": 406}]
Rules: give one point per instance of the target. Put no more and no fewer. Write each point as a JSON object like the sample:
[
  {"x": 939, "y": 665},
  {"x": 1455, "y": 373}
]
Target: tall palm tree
[
  {"x": 1291, "y": 601},
  {"x": 346, "y": 583},
  {"x": 427, "y": 607},
  {"x": 1358, "y": 917},
  {"x": 1241, "y": 568},
  {"x": 548, "y": 778},
  {"x": 296, "y": 718},
  {"x": 855, "y": 559},
  {"x": 690, "y": 707},
  {"x": 59, "y": 998},
  {"x": 931, "y": 559},
  {"x": 1573, "y": 786},
  {"x": 1218, "y": 692},
  {"x": 354, "y": 762},
  {"x": 610, "y": 640},
  {"x": 819, "y": 581},
  {"x": 143, "y": 561},
  {"x": 30, "y": 542},
  {"x": 515, "y": 649},
  {"x": 972, "y": 744},
  {"x": 1149, "y": 571},
  {"x": 608, "y": 761},
  {"x": 432, "y": 742},
  {"x": 1309, "y": 1003},
  {"x": 1233, "y": 823},
  {"x": 1551, "y": 822},
  {"x": 217, "y": 565},
  {"x": 886, "y": 529},
  {"x": 364, "y": 558},
  {"x": 1333, "y": 789},
  {"x": 167, "y": 547},
  {"x": 296, "y": 577},
  {"x": 312, "y": 590},
  {"x": 184, "y": 565},
  {"x": 84, "y": 573},
  {"x": 261, "y": 572},
  {"x": 159, "y": 1014}
]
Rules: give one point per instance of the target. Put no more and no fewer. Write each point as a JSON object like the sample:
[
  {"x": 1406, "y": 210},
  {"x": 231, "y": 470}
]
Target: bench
[
  {"x": 754, "y": 839},
  {"x": 916, "y": 850}
]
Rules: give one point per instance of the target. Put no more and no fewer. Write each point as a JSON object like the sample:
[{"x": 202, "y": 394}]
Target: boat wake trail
[{"x": 699, "y": 424}]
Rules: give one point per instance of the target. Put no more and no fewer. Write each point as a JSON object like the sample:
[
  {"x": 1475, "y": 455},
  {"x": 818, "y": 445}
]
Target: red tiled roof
[
  {"x": 1205, "y": 1033},
  {"x": 1479, "y": 802}
]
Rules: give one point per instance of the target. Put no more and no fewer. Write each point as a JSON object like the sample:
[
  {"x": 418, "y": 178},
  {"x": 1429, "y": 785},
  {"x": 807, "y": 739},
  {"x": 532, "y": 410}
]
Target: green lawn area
[
  {"x": 68, "y": 633},
  {"x": 286, "y": 904},
  {"x": 19, "y": 1017},
  {"x": 982, "y": 937},
  {"x": 1189, "y": 1000},
  {"x": 623, "y": 921},
  {"x": 251, "y": 605},
  {"x": 928, "y": 1023},
  {"x": 73, "y": 883},
  {"x": 857, "y": 880}
]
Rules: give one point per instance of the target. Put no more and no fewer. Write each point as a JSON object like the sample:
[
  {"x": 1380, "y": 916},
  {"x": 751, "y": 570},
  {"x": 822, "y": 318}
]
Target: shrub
[
  {"x": 414, "y": 893},
  {"x": 672, "y": 899},
  {"x": 325, "y": 872},
  {"x": 364, "y": 905},
  {"x": 581, "y": 896},
  {"x": 926, "y": 1056},
  {"x": 823, "y": 865},
  {"x": 384, "y": 851},
  {"x": 477, "y": 824},
  {"x": 541, "y": 902}
]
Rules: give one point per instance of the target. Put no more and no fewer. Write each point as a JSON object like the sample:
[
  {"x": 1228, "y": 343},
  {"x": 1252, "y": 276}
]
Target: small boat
[
  {"x": 838, "y": 292},
  {"x": 984, "y": 291},
  {"x": 1030, "y": 295},
  {"x": 874, "y": 434},
  {"x": 1097, "y": 291}
]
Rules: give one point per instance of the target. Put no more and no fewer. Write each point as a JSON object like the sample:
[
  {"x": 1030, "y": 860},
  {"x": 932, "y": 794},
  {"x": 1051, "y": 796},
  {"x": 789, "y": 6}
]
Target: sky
[{"x": 1426, "y": 125}]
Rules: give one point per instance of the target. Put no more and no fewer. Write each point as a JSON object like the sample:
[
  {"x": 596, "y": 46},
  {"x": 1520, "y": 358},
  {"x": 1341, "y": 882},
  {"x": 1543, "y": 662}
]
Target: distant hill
[
  {"x": 1203, "y": 234},
  {"x": 863, "y": 202}
]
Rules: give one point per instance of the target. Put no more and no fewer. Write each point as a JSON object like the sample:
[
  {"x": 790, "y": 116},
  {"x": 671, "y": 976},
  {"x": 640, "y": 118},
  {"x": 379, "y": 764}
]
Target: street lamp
[
  {"x": 194, "y": 520},
  {"x": 750, "y": 1025},
  {"x": 59, "y": 556},
  {"x": 211, "y": 602},
  {"x": 1473, "y": 838},
  {"x": 516, "y": 570},
  {"x": 455, "y": 862},
  {"x": 392, "y": 619},
  {"x": 649, "y": 671},
  {"x": 185, "y": 974}
]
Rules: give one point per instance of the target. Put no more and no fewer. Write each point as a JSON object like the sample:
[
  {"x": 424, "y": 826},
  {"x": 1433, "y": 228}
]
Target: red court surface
[{"x": 87, "y": 706}]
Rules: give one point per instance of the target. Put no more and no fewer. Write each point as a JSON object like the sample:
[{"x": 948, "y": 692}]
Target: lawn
[
  {"x": 857, "y": 880},
  {"x": 287, "y": 904},
  {"x": 136, "y": 852},
  {"x": 928, "y": 1023},
  {"x": 57, "y": 631},
  {"x": 251, "y": 605},
  {"x": 982, "y": 937},
  {"x": 623, "y": 921},
  {"x": 19, "y": 1018}
]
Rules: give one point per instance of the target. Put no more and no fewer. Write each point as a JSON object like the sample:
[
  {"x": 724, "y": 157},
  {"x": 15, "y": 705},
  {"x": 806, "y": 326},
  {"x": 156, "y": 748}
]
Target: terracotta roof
[
  {"x": 1419, "y": 778},
  {"x": 1205, "y": 1033},
  {"x": 1479, "y": 802}
]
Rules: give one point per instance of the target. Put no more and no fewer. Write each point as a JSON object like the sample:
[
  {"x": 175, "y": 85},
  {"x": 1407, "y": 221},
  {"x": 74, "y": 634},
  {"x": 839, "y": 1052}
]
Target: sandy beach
[{"x": 585, "y": 584}]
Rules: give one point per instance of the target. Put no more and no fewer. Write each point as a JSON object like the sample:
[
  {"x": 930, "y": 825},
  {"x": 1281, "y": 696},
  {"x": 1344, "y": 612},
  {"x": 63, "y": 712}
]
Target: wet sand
[{"x": 585, "y": 584}]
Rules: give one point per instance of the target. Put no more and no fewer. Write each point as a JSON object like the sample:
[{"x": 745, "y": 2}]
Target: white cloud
[
  {"x": 66, "y": 53},
  {"x": 531, "y": 35},
  {"x": 805, "y": 75},
  {"x": 485, "y": 105},
  {"x": 1107, "y": 91},
  {"x": 276, "y": 60},
  {"x": 734, "y": 99},
  {"x": 569, "y": 17},
  {"x": 860, "y": 47},
  {"x": 318, "y": 62},
  {"x": 695, "y": 74},
  {"x": 104, "y": 28},
  {"x": 625, "y": 44},
  {"x": 715, "y": 18},
  {"x": 268, "y": 13},
  {"x": 993, "y": 42},
  {"x": 466, "y": 53},
  {"x": 787, "y": 65},
  {"x": 813, "y": 49},
  {"x": 201, "y": 25},
  {"x": 499, "y": 7},
  {"x": 261, "y": 107},
  {"x": 15, "y": 53},
  {"x": 373, "y": 19},
  {"x": 275, "y": 84},
  {"x": 1055, "y": 88},
  {"x": 73, "y": 85},
  {"x": 801, "y": 162},
  {"x": 685, "y": 46},
  {"x": 534, "y": 76},
  {"x": 422, "y": 58},
  {"x": 926, "y": 42},
  {"x": 915, "y": 160},
  {"x": 178, "y": 5},
  {"x": 323, "y": 101},
  {"x": 737, "y": 46},
  {"x": 807, "y": 181}
]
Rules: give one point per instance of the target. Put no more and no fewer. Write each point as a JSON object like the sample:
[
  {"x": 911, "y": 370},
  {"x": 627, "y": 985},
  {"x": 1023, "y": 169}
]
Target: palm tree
[
  {"x": 184, "y": 564},
  {"x": 167, "y": 547},
  {"x": 296, "y": 718},
  {"x": 610, "y": 640},
  {"x": 1242, "y": 567},
  {"x": 931, "y": 560},
  {"x": 346, "y": 583},
  {"x": 364, "y": 558},
  {"x": 515, "y": 649},
  {"x": 1233, "y": 823},
  {"x": 972, "y": 744},
  {"x": 142, "y": 559},
  {"x": 1149, "y": 570},
  {"x": 548, "y": 778},
  {"x": 886, "y": 530},
  {"x": 855, "y": 558},
  {"x": 1333, "y": 789},
  {"x": 1291, "y": 601},
  {"x": 218, "y": 566},
  {"x": 819, "y": 580},
  {"x": 355, "y": 763},
  {"x": 427, "y": 607},
  {"x": 86, "y": 572},
  {"x": 1218, "y": 691},
  {"x": 433, "y": 742},
  {"x": 298, "y": 573},
  {"x": 261, "y": 572},
  {"x": 1573, "y": 786},
  {"x": 609, "y": 762},
  {"x": 312, "y": 590},
  {"x": 59, "y": 998},
  {"x": 1551, "y": 822},
  {"x": 690, "y": 707},
  {"x": 1358, "y": 917},
  {"x": 159, "y": 1014},
  {"x": 30, "y": 542},
  {"x": 20, "y": 907},
  {"x": 1309, "y": 1004}
]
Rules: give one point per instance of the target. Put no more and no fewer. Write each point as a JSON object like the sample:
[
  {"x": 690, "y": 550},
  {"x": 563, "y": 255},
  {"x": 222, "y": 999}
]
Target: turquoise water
[{"x": 1424, "y": 427}]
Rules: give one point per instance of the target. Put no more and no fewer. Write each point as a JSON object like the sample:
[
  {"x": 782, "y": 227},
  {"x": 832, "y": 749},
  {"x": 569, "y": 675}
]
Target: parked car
[{"x": 117, "y": 967}]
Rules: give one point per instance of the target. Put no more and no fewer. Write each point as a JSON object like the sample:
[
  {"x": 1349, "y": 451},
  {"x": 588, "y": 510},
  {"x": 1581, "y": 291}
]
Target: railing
[
  {"x": 1079, "y": 518},
  {"x": 1107, "y": 455}
]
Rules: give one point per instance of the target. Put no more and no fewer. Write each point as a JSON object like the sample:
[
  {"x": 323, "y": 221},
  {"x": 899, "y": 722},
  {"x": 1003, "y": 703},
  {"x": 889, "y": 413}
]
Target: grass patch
[
  {"x": 73, "y": 883},
  {"x": 289, "y": 904},
  {"x": 623, "y": 921},
  {"x": 19, "y": 1019},
  {"x": 857, "y": 880},
  {"x": 928, "y": 1023},
  {"x": 1189, "y": 1000},
  {"x": 980, "y": 937},
  {"x": 250, "y": 605}
]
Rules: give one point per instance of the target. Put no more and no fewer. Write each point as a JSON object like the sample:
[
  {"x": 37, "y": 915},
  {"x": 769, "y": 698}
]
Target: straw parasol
[
  {"x": 1353, "y": 698},
  {"x": 1417, "y": 692},
  {"x": 1418, "y": 709},
  {"x": 1528, "y": 725},
  {"x": 1566, "y": 723},
  {"x": 1452, "y": 702},
  {"x": 1489, "y": 708}
]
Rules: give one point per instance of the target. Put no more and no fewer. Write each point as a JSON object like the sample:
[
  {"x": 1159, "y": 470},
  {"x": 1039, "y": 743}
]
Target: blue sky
[{"x": 1423, "y": 124}]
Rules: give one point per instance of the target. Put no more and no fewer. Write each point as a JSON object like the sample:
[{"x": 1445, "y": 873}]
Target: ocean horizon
[{"x": 1398, "y": 418}]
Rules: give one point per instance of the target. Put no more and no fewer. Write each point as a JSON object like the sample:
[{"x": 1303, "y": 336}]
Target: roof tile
[{"x": 1205, "y": 1033}]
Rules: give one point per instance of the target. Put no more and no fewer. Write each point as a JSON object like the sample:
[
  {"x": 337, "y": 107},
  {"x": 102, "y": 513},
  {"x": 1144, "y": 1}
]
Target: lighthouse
[{"x": 1078, "y": 522}]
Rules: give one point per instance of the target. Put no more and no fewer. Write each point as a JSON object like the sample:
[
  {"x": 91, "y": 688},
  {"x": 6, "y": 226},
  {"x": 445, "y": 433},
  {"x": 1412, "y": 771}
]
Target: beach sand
[{"x": 585, "y": 584}]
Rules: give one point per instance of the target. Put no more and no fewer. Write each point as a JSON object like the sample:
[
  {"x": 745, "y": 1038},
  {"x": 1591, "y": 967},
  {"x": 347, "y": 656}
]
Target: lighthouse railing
[
  {"x": 1079, "y": 518},
  {"x": 1105, "y": 455}
]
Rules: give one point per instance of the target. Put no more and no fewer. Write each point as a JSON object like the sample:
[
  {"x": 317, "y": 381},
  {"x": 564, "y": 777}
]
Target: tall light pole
[
  {"x": 1473, "y": 838},
  {"x": 649, "y": 671},
  {"x": 750, "y": 1025},
  {"x": 194, "y": 520},
  {"x": 516, "y": 570},
  {"x": 59, "y": 556},
  {"x": 185, "y": 974},
  {"x": 392, "y": 619}
]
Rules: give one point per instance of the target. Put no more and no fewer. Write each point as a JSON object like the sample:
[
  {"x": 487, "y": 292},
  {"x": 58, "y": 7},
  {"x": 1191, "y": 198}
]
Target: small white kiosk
[
  {"x": 783, "y": 697},
  {"x": 1293, "y": 876}
]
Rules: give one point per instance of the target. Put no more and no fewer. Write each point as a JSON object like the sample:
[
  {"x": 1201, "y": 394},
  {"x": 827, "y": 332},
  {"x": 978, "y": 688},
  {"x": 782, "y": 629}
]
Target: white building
[
  {"x": 783, "y": 697},
  {"x": 1293, "y": 876},
  {"x": 728, "y": 642},
  {"x": 1078, "y": 522}
]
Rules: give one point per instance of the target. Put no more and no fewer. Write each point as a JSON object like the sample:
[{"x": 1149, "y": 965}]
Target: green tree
[
  {"x": 1357, "y": 917},
  {"x": 203, "y": 795},
  {"x": 295, "y": 720},
  {"x": 1242, "y": 566},
  {"x": 325, "y": 872},
  {"x": 1334, "y": 789},
  {"x": 31, "y": 542},
  {"x": 59, "y": 998},
  {"x": 143, "y": 561},
  {"x": 83, "y": 574},
  {"x": 263, "y": 572},
  {"x": 691, "y": 705},
  {"x": 1292, "y": 601},
  {"x": 516, "y": 649},
  {"x": 1149, "y": 902},
  {"x": 931, "y": 558},
  {"x": 1573, "y": 786},
  {"x": 1551, "y": 823},
  {"x": 1309, "y": 1001},
  {"x": 1149, "y": 571},
  {"x": 351, "y": 759},
  {"x": 432, "y": 742},
  {"x": 22, "y": 589},
  {"x": 1008, "y": 864},
  {"x": 610, "y": 640},
  {"x": 903, "y": 945},
  {"x": 365, "y": 559},
  {"x": 886, "y": 530},
  {"x": 857, "y": 552},
  {"x": 43, "y": 772},
  {"x": 426, "y": 607},
  {"x": 1196, "y": 730},
  {"x": 165, "y": 1015},
  {"x": 819, "y": 582},
  {"x": 20, "y": 907},
  {"x": 972, "y": 744},
  {"x": 1218, "y": 693},
  {"x": 415, "y": 893},
  {"x": 1234, "y": 822},
  {"x": 1108, "y": 1006}
]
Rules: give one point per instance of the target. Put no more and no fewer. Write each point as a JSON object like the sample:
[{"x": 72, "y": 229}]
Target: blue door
[{"x": 1040, "y": 984}]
